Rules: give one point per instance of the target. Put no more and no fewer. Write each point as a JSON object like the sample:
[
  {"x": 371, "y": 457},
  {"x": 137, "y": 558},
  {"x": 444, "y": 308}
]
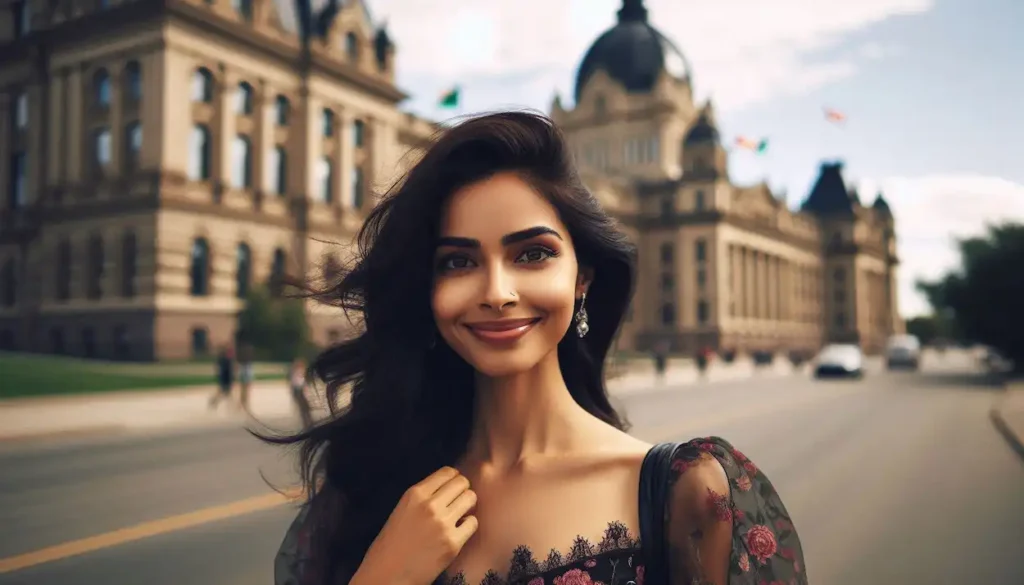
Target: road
[{"x": 897, "y": 479}]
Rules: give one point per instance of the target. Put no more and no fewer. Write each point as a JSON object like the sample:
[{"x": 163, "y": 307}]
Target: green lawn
[{"x": 23, "y": 375}]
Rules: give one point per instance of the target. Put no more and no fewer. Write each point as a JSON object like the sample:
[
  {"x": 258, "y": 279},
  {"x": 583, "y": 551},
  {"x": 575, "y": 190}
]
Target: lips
[{"x": 501, "y": 331}]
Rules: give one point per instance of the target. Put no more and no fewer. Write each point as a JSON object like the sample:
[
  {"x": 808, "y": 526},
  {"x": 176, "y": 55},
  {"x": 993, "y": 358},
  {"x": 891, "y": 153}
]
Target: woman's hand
[{"x": 423, "y": 534}]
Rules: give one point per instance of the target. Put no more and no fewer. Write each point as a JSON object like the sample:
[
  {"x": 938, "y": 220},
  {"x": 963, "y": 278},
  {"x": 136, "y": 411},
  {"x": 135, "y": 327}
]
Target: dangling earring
[{"x": 582, "y": 327}]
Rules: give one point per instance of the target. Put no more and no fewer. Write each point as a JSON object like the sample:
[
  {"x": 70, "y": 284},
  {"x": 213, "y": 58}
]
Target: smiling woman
[{"x": 492, "y": 284}]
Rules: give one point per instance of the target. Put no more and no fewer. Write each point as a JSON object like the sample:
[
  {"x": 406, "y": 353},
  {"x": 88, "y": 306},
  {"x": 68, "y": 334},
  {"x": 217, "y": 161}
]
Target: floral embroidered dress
[{"x": 725, "y": 525}]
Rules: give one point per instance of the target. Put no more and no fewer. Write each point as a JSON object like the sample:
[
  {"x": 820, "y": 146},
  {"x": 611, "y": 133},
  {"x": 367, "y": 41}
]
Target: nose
[{"x": 499, "y": 290}]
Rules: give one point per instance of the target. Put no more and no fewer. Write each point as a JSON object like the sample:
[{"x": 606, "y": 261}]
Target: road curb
[
  {"x": 78, "y": 433},
  {"x": 1013, "y": 437}
]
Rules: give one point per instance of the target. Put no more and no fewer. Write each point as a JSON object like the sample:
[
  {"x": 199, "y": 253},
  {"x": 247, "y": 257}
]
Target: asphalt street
[{"x": 896, "y": 479}]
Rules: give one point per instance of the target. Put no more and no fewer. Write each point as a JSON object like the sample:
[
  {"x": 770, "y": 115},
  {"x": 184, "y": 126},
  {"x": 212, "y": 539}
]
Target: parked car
[
  {"x": 839, "y": 360},
  {"x": 903, "y": 352}
]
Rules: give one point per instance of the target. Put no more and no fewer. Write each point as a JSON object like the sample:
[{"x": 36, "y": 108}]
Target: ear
[{"x": 583, "y": 280}]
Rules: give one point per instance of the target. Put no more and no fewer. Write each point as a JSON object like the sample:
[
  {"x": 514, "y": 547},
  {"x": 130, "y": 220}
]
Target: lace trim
[{"x": 617, "y": 537}]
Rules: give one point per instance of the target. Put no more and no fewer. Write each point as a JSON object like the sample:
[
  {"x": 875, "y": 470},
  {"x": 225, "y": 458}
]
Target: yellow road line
[{"x": 145, "y": 530}]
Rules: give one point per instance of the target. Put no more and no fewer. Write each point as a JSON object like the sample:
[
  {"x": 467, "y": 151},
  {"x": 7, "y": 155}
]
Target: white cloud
[
  {"x": 742, "y": 51},
  {"x": 932, "y": 212}
]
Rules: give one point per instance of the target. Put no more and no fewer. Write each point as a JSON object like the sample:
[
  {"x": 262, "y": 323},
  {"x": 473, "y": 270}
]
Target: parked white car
[
  {"x": 903, "y": 351},
  {"x": 839, "y": 360}
]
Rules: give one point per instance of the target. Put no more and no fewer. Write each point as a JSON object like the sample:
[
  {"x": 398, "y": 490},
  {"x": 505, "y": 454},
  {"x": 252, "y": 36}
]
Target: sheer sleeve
[
  {"x": 292, "y": 556},
  {"x": 726, "y": 523}
]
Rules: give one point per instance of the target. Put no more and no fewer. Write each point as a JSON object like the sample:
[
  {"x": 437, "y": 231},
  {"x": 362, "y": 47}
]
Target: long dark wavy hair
[{"x": 412, "y": 396}]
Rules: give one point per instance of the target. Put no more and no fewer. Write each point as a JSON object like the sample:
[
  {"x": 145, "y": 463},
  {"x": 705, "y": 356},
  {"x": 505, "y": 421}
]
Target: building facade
[
  {"x": 722, "y": 266},
  {"x": 159, "y": 159}
]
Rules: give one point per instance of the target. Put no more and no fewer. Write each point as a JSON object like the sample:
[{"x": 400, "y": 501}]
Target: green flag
[
  {"x": 762, "y": 146},
  {"x": 450, "y": 98}
]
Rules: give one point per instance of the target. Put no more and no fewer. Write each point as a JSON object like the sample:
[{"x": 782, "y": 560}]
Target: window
[
  {"x": 133, "y": 144},
  {"x": 122, "y": 347},
  {"x": 101, "y": 88},
  {"x": 128, "y": 261},
  {"x": 702, "y": 312},
  {"x": 840, "y": 320},
  {"x": 19, "y": 116},
  {"x": 698, "y": 201},
  {"x": 278, "y": 170},
  {"x": 200, "y": 342},
  {"x": 200, "y": 273},
  {"x": 668, "y": 314},
  {"x": 63, "y": 272},
  {"x": 277, "y": 271},
  {"x": 241, "y": 163},
  {"x": 667, "y": 252},
  {"x": 17, "y": 194},
  {"x": 96, "y": 267},
  {"x": 199, "y": 153},
  {"x": 89, "y": 342},
  {"x": 133, "y": 81},
  {"x": 243, "y": 8},
  {"x": 243, "y": 270},
  {"x": 357, "y": 188},
  {"x": 325, "y": 179},
  {"x": 202, "y": 86},
  {"x": 352, "y": 46},
  {"x": 327, "y": 123},
  {"x": 281, "y": 110},
  {"x": 702, "y": 278},
  {"x": 839, "y": 275},
  {"x": 667, "y": 282},
  {"x": 358, "y": 131},
  {"x": 9, "y": 282},
  {"x": 668, "y": 206},
  {"x": 701, "y": 251},
  {"x": 101, "y": 148},
  {"x": 22, "y": 18},
  {"x": 243, "y": 99}
]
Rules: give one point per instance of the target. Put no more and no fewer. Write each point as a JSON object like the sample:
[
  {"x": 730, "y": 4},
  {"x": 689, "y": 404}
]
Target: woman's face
[{"x": 505, "y": 276}]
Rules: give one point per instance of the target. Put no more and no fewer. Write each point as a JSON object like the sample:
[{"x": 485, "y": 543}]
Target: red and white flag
[{"x": 834, "y": 116}]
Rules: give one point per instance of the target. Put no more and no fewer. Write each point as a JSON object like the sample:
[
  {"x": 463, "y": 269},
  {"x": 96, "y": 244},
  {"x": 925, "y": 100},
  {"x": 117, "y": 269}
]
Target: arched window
[
  {"x": 202, "y": 86},
  {"x": 200, "y": 273},
  {"x": 101, "y": 148},
  {"x": 325, "y": 179},
  {"x": 281, "y": 110},
  {"x": 357, "y": 188},
  {"x": 277, "y": 271},
  {"x": 278, "y": 170},
  {"x": 129, "y": 259},
  {"x": 133, "y": 81},
  {"x": 352, "y": 46},
  {"x": 668, "y": 314},
  {"x": 199, "y": 153},
  {"x": 133, "y": 144},
  {"x": 243, "y": 270},
  {"x": 9, "y": 280},
  {"x": 243, "y": 8},
  {"x": 327, "y": 123},
  {"x": 96, "y": 266},
  {"x": 243, "y": 99},
  {"x": 101, "y": 88},
  {"x": 358, "y": 133},
  {"x": 241, "y": 162},
  {"x": 63, "y": 271},
  {"x": 21, "y": 111}
]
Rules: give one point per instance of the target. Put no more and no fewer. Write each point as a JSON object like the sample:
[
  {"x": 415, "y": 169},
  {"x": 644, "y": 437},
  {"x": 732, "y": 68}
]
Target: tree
[
  {"x": 982, "y": 298},
  {"x": 274, "y": 327}
]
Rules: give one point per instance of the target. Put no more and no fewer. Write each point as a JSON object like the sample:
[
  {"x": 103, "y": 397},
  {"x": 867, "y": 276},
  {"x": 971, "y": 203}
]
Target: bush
[{"x": 274, "y": 327}]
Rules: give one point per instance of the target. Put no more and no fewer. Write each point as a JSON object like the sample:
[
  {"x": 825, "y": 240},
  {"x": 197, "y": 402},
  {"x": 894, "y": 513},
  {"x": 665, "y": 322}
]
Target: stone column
[
  {"x": 347, "y": 158},
  {"x": 224, "y": 133},
  {"x": 74, "y": 140},
  {"x": 151, "y": 110},
  {"x": 7, "y": 105},
  {"x": 117, "y": 150},
  {"x": 264, "y": 122},
  {"x": 56, "y": 111},
  {"x": 36, "y": 145},
  {"x": 749, "y": 283}
]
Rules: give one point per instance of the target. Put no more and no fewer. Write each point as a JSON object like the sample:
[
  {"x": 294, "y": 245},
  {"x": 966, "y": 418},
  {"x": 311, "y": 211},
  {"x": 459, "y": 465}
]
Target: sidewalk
[
  {"x": 270, "y": 403},
  {"x": 1008, "y": 416}
]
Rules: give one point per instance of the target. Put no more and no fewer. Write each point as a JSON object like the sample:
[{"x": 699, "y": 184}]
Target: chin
[{"x": 503, "y": 364}]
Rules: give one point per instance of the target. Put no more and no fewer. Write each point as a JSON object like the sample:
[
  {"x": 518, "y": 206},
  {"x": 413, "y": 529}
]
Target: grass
[{"x": 27, "y": 375}]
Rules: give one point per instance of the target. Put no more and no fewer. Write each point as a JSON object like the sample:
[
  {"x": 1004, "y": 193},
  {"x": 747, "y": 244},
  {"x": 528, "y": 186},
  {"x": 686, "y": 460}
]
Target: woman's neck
[{"x": 528, "y": 414}]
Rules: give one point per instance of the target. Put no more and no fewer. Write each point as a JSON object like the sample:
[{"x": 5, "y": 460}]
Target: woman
[{"x": 479, "y": 435}]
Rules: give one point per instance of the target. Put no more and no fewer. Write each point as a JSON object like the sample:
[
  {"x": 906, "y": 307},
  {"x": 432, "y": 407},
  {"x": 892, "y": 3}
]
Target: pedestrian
[
  {"x": 703, "y": 360},
  {"x": 660, "y": 354},
  {"x": 297, "y": 383},
  {"x": 245, "y": 377},
  {"x": 489, "y": 285},
  {"x": 225, "y": 374}
]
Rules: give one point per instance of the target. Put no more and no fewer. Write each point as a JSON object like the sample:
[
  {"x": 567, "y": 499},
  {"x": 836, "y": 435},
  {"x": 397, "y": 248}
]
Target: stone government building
[{"x": 159, "y": 158}]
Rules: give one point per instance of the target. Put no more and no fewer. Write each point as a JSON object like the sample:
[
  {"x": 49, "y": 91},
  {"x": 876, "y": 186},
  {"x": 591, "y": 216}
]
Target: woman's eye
[
  {"x": 455, "y": 263},
  {"x": 535, "y": 255}
]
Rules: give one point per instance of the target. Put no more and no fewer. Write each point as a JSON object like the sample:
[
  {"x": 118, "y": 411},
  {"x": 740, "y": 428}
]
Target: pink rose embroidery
[
  {"x": 575, "y": 577},
  {"x": 590, "y": 564},
  {"x": 536, "y": 581},
  {"x": 743, "y": 483},
  {"x": 720, "y": 505},
  {"x": 761, "y": 542},
  {"x": 639, "y": 575},
  {"x": 744, "y": 563}
]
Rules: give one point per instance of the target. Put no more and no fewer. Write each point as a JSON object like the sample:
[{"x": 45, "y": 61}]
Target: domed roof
[
  {"x": 703, "y": 131},
  {"x": 632, "y": 53},
  {"x": 882, "y": 206}
]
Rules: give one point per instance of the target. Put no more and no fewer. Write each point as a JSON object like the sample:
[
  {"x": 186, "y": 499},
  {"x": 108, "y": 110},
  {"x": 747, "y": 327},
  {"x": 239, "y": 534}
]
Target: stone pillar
[
  {"x": 75, "y": 138},
  {"x": 117, "y": 149},
  {"x": 7, "y": 105},
  {"x": 264, "y": 122},
  {"x": 56, "y": 111},
  {"x": 346, "y": 138},
  {"x": 749, "y": 283},
  {"x": 224, "y": 133},
  {"x": 313, "y": 150},
  {"x": 36, "y": 144},
  {"x": 151, "y": 110}
]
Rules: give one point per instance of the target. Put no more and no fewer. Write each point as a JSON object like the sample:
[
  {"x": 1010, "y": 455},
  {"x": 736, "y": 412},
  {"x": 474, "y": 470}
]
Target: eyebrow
[{"x": 507, "y": 239}]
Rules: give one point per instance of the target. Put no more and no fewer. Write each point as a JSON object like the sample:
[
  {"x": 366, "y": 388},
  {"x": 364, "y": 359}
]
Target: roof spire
[{"x": 633, "y": 11}]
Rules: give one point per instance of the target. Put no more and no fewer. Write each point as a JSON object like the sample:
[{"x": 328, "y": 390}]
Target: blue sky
[{"x": 933, "y": 91}]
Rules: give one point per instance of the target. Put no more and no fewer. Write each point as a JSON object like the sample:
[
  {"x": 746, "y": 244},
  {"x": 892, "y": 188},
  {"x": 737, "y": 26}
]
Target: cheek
[
  {"x": 553, "y": 292},
  {"x": 449, "y": 300}
]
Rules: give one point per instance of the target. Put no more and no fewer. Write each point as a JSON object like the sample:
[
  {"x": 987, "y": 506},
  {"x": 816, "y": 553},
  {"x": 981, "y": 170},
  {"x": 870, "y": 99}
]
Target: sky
[{"x": 933, "y": 92}]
